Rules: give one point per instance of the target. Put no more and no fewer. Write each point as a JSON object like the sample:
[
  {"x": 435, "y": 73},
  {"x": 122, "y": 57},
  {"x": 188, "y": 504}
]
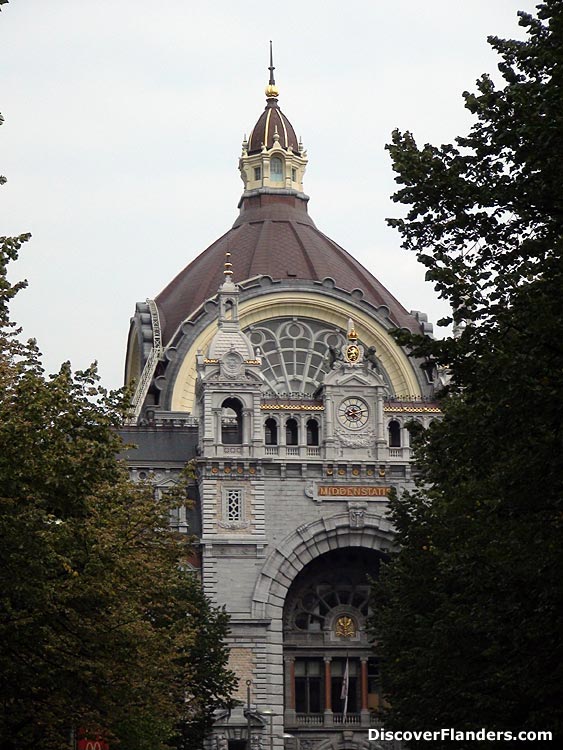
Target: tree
[
  {"x": 102, "y": 624},
  {"x": 468, "y": 613}
]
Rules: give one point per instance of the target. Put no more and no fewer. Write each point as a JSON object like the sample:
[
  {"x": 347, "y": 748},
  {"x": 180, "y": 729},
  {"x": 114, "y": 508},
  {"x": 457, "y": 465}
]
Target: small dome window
[{"x": 276, "y": 170}]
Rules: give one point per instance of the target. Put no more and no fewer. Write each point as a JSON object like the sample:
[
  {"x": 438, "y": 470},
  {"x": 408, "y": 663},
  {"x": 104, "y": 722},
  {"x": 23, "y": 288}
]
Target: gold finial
[
  {"x": 352, "y": 335},
  {"x": 272, "y": 91},
  {"x": 228, "y": 265}
]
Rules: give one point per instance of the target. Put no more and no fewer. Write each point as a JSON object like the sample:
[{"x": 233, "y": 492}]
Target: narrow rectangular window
[
  {"x": 309, "y": 686},
  {"x": 234, "y": 505},
  {"x": 257, "y": 173}
]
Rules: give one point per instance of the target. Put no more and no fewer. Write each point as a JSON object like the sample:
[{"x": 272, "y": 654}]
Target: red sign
[{"x": 96, "y": 743}]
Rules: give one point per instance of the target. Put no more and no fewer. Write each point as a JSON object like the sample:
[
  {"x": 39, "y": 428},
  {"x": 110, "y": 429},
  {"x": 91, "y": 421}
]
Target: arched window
[
  {"x": 271, "y": 432},
  {"x": 312, "y": 432},
  {"x": 414, "y": 428},
  {"x": 231, "y": 422},
  {"x": 291, "y": 432},
  {"x": 276, "y": 169},
  {"x": 394, "y": 434}
]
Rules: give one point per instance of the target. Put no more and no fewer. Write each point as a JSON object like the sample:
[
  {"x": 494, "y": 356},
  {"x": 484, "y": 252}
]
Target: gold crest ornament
[
  {"x": 352, "y": 353},
  {"x": 345, "y": 627}
]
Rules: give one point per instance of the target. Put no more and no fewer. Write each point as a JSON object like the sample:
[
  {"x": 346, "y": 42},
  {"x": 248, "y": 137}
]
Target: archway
[
  {"x": 332, "y": 675},
  {"x": 231, "y": 422},
  {"x": 360, "y": 527}
]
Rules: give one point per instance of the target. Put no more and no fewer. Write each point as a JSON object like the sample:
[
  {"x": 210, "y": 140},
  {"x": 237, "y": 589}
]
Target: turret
[{"x": 273, "y": 160}]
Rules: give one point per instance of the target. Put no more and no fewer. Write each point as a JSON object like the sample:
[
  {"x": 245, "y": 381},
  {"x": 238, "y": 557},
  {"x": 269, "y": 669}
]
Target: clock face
[{"x": 353, "y": 413}]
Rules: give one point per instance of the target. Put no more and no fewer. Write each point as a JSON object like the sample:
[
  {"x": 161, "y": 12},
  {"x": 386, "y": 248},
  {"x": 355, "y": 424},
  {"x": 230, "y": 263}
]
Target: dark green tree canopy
[
  {"x": 486, "y": 214},
  {"x": 468, "y": 615},
  {"x": 102, "y": 624}
]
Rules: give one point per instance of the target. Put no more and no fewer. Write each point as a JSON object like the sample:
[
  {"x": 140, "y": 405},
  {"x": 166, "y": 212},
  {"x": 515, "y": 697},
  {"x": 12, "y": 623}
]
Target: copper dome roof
[
  {"x": 272, "y": 120},
  {"x": 273, "y": 236}
]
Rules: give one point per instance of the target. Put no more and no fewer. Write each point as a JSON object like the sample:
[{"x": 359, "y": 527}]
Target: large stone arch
[
  {"x": 367, "y": 529},
  {"x": 356, "y": 527}
]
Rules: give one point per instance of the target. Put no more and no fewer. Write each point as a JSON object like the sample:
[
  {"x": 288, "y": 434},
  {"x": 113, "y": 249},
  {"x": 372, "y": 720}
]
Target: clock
[{"x": 353, "y": 413}]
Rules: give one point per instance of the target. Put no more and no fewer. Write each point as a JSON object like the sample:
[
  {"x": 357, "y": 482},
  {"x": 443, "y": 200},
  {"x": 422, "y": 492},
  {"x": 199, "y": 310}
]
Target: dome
[
  {"x": 226, "y": 341},
  {"x": 273, "y": 236},
  {"x": 271, "y": 121}
]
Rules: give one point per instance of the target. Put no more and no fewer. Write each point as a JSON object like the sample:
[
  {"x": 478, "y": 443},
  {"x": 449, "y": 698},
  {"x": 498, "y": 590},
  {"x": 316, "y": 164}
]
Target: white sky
[{"x": 124, "y": 122}]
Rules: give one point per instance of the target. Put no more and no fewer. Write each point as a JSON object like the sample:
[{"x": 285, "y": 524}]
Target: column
[
  {"x": 364, "y": 713},
  {"x": 328, "y": 692},
  {"x": 289, "y": 713},
  {"x": 380, "y": 433},
  {"x": 217, "y": 411},
  {"x": 302, "y": 436},
  {"x": 246, "y": 426}
]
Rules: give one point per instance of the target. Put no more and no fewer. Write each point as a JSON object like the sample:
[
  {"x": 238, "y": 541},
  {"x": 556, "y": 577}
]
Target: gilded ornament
[
  {"x": 352, "y": 353},
  {"x": 345, "y": 627}
]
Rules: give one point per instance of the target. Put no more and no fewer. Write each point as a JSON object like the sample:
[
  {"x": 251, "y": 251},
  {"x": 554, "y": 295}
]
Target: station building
[{"x": 269, "y": 363}]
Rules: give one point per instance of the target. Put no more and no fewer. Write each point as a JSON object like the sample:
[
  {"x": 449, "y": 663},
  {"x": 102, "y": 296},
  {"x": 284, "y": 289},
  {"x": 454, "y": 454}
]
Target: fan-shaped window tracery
[
  {"x": 312, "y": 610},
  {"x": 294, "y": 352}
]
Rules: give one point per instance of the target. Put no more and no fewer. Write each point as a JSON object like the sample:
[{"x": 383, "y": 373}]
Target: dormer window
[
  {"x": 257, "y": 173},
  {"x": 276, "y": 170}
]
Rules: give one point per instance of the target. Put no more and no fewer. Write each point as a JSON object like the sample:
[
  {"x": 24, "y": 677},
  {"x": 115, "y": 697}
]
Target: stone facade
[{"x": 292, "y": 399}]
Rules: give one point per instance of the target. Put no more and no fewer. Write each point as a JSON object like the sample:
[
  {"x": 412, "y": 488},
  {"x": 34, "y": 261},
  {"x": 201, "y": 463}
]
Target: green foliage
[
  {"x": 102, "y": 624},
  {"x": 468, "y": 615}
]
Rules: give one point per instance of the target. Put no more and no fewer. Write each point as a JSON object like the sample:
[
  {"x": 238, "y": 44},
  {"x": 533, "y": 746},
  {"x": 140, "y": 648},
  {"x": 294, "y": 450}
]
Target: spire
[
  {"x": 271, "y": 89},
  {"x": 273, "y": 160},
  {"x": 228, "y": 287},
  {"x": 272, "y": 80},
  {"x": 229, "y": 336}
]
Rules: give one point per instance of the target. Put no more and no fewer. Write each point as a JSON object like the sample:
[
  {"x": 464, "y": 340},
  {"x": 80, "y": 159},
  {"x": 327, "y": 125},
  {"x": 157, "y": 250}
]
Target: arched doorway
[{"x": 331, "y": 674}]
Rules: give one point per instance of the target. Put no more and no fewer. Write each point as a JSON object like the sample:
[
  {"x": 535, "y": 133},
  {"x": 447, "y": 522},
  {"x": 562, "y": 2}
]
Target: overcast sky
[{"x": 124, "y": 123}]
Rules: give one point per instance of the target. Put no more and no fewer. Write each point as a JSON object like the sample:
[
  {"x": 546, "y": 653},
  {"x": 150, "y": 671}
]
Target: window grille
[{"x": 234, "y": 505}]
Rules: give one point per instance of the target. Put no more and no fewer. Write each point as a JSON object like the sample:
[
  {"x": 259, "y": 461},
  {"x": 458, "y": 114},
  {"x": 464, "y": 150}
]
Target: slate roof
[{"x": 273, "y": 236}]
